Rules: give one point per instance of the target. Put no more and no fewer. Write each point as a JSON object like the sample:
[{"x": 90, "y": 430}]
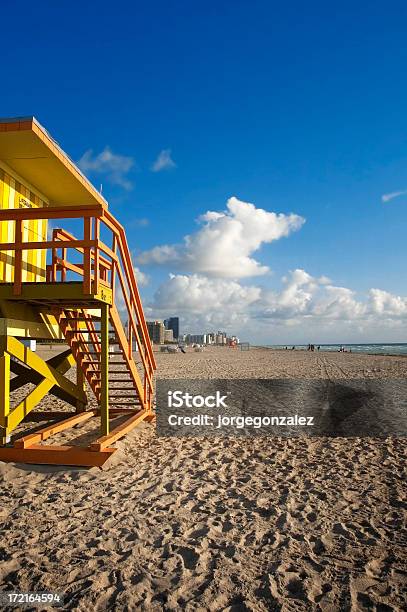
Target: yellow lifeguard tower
[{"x": 54, "y": 285}]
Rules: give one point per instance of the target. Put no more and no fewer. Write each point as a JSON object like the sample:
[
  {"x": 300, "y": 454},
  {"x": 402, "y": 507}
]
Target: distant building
[
  {"x": 168, "y": 335},
  {"x": 196, "y": 339},
  {"x": 156, "y": 331},
  {"x": 173, "y": 323},
  {"x": 220, "y": 338}
]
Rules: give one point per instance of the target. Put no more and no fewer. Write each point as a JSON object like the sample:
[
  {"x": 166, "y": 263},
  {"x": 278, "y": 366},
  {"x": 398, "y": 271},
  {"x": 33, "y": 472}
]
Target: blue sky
[{"x": 296, "y": 108}]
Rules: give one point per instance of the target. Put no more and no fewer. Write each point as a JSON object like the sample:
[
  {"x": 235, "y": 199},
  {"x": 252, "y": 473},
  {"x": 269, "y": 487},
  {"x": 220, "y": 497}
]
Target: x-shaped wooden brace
[{"x": 48, "y": 376}]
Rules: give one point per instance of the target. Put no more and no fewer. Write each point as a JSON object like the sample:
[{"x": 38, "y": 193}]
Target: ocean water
[{"x": 372, "y": 349}]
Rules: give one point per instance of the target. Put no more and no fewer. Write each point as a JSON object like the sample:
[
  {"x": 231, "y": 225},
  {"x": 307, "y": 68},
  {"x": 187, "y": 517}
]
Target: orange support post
[
  {"x": 18, "y": 258},
  {"x": 96, "y": 270},
  {"x": 87, "y": 272}
]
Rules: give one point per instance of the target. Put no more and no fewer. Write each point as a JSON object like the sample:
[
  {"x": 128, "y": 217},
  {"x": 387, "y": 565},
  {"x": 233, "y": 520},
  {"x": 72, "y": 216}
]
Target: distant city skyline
[{"x": 167, "y": 331}]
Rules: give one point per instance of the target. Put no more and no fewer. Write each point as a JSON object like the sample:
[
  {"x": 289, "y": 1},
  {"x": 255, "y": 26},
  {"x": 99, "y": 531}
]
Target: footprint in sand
[
  {"x": 197, "y": 532},
  {"x": 189, "y": 557}
]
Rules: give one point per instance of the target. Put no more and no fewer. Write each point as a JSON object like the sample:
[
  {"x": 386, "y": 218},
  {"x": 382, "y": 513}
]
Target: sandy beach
[
  {"x": 222, "y": 362},
  {"x": 226, "y": 524}
]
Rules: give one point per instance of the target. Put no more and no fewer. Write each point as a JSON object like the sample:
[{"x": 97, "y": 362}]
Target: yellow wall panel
[
  {"x": 2, "y": 225},
  {"x": 14, "y": 194}
]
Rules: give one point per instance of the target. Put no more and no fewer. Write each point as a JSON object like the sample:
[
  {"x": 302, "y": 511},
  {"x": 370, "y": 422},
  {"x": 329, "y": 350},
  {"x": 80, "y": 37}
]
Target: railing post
[
  {"x": 87, "y": 271},
  {"x": 113, "y": 272},
  {"x": 131, "y": 329},
  {"x": 54, "y": 258},
  {"x": 63, "y": 269},
  {"x": 4, "y": 390},
  {"x": 150, "y": 389},
  {"x": 104, "y": 360},
  {"x": 18, "y": 257},
  {"x": 96, "y": 270}
]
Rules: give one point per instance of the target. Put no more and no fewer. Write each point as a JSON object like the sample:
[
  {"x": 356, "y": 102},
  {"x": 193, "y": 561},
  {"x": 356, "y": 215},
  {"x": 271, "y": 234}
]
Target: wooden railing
[{"x": 99, "y": 265}]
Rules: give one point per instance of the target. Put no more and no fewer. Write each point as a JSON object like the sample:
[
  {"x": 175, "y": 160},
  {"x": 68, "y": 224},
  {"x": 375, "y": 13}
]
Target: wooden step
[
  {"x": 121, "y": 388},
  {"x": 121, "y": 395},
  {"x": 98, "y": 341},
  {"x": 64, "y": 318},
  {"x": 118, "y": 403}
]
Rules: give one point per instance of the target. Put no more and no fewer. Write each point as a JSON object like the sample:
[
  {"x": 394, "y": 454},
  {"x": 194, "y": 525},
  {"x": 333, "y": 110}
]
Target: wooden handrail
[
  {"x": 46, "y": 244},
  {"x": 133, "y": 326},
  {"x": 51, "y": 212},
  {"x": 115, "y": 225}
]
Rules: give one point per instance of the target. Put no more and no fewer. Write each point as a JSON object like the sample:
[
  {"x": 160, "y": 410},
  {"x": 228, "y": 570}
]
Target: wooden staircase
[{"x": 81, "y": 329}]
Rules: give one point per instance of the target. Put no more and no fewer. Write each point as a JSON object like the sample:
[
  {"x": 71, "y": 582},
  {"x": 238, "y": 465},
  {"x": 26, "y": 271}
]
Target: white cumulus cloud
[
  {"x": 384, "y": 303},
  {"x": 160, "y": 255},
  {"x": 212, "y": 291},
  {"x": 164, "y": 161},
  {"x": 303, "y": 303},
  {"x": 141, "y": 277},
  {"x": 203, "y": 301},
  {"x": 338, "y": 303},
  {"x": 223, "y": 246},
  {"x": 109, "y": 165}
]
